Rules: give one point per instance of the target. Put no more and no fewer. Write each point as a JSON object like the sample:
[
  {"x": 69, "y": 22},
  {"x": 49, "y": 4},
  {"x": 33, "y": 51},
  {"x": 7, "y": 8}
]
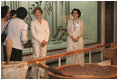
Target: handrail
[{"x": 66, "y": 53}]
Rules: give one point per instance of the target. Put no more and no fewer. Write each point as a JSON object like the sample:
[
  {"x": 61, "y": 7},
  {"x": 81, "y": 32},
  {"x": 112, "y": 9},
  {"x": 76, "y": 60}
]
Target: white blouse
[
  {"x": 40, "y": 31},
  {"x": 17, "y": 31}
]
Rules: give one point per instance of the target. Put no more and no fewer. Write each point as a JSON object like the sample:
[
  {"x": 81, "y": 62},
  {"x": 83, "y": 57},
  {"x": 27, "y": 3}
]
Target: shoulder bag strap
[{"x": 7, "y": 25}]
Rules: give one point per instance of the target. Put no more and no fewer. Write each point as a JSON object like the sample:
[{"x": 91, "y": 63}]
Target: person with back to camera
[
  {"x": 40, "y": 36},
  {"x": 5, "y": 15},
  {"x": 13, "y": 14},
  {"x": 75, "y": 40},
  {"x": 17, "y": 34}
]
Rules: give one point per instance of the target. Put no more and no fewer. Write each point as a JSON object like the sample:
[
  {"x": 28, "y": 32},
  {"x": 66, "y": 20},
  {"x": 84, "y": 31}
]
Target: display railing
[
  {"x": 101, "y": 46},
  {"x": 72, "y": 52}
]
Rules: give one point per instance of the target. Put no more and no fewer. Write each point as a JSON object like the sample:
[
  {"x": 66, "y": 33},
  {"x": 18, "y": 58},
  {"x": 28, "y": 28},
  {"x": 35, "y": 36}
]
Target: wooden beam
[{"x": 66, "y": 53}]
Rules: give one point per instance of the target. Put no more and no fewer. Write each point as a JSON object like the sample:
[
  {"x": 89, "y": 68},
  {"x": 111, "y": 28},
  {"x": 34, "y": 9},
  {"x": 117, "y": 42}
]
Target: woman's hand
[
  {"x": 77, "y": 39},
  {"x": 73, "y": 38},
  {"x": 43, "y": 43}
]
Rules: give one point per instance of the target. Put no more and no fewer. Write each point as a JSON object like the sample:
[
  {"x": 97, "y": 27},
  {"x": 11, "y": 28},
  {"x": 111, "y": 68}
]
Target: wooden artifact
[
  {"x": 86, "y": 71},
  {"x": 111, "y": 53},
  {"x": 53, "y": 70},
  {"x": 14, "y": 70}
]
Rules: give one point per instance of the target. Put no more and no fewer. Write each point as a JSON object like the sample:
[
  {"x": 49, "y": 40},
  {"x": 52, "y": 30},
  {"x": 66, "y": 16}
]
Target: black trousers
[{"x": 16, "y": 54}]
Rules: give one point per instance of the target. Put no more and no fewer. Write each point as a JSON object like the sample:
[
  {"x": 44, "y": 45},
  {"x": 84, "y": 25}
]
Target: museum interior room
[{"x": 99, "y": 41}]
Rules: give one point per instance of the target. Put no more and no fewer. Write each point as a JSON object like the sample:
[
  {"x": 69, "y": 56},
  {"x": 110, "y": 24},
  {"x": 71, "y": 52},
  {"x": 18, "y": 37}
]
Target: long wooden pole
[
  {"x": 66, "y": 53},
  {"x": 53, "y": 70}
]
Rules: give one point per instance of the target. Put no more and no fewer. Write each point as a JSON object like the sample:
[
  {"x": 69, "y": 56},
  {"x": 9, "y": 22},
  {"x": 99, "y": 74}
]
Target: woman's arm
[
  {"x": 81, "y": 33},
  {"x": 47, "y": 33},
  {"x": 44, "y": 42},
  {"x": 69, "y": 31},
  {"x": 24, "y": 37}
]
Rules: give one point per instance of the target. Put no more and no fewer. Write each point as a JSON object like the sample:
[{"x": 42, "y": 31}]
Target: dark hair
[
  {"x": 21, "y": 12},
  {"x": 12, "y": 13},
  {"x": 78, "y": 11},
  {"x": 4, "y": 11},
  {"x": 37, "y": 8}
]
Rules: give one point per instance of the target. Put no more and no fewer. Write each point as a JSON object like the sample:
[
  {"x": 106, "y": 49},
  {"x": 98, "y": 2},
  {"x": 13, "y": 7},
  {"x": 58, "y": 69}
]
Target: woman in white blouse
[
  {"x": 40, "y": 36},
  {"x": 75, "y": 38}
]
